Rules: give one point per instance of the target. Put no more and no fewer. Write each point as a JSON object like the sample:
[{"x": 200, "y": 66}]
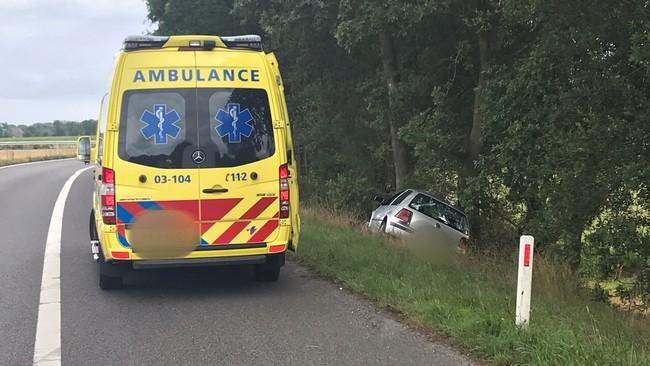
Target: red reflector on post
[
  {"x": 120, "y": 255},
  {"x": 276, "y": 248},
  {"x": 527, "y": 255}
]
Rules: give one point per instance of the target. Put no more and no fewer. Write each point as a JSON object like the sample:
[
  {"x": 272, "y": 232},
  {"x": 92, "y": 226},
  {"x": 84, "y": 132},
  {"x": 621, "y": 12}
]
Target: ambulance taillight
[
  {"x": 108, "y": 196},
  {"x": 284, "y": 191}
]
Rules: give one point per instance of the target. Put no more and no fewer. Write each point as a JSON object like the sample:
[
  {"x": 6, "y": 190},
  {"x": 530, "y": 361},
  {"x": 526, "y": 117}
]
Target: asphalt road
[{"x": 215, "y": 316}]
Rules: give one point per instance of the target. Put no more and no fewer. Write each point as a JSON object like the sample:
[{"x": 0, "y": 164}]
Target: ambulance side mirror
[{"x": 83, "y": 149}]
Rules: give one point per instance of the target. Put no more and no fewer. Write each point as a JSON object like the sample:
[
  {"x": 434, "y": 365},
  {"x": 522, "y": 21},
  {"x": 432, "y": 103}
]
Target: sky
[{"x": 56, "y": 56}]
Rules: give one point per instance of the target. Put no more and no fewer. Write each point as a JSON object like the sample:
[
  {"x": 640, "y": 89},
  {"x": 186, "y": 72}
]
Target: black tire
[
  {"x": 109, "y": 276},
  {"x": 110, "y": 282},
  {"x": 92, "y": 228},
  {"x": 267, "y": 275}
]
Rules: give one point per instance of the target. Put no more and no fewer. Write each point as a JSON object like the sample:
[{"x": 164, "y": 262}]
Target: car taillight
[
  {"x": 404, "y": 216},
  {"x": 284, "y": 191},
  {"x": 108, "y": 196}
]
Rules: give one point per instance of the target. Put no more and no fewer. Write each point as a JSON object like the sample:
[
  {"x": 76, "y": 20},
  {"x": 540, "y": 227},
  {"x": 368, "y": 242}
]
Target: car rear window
[
  {"x": 401, "y": 197},
  {"x": 162, "y": 128},
  {"x": 440, "y": 212}
]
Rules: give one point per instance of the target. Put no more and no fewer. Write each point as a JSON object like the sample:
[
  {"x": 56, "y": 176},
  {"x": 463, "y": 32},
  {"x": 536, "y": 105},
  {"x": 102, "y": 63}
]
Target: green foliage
[
  {"x": 359, "y": 20},
  {"x": 343, "y": 193},
  {"x": 618, "y": 246},
  {"x": 566, "y": 124},
  {"x": 4, "y": 130},
  {"x": 559, "y": 90},
  {"x": 56, "y": 128},
  {"x": 200, "y": 17}
]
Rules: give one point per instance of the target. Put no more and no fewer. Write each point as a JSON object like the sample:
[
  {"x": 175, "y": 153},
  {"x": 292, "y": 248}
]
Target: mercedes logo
[{"x": 198, "y": 156}]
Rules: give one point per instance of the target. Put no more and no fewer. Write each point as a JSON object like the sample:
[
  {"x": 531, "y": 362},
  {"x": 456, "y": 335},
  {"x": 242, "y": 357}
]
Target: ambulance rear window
[
  {"x": 158, "y": 128},
  {"x": 163, "y": 128},
  {"x": 234, "y": 126}
]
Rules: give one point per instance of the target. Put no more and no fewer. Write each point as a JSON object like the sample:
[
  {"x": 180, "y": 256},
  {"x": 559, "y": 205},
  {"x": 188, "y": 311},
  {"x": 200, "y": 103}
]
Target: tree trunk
[
  {"x": 487, "y": 42},
  {"x": 392, "y": 76},
  {"x": 576, "y": 250}
]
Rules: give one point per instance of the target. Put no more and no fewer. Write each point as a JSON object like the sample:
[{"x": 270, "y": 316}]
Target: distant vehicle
[
  {"x": 410, "y": 211},
  {"x": 194, "y": 163}
]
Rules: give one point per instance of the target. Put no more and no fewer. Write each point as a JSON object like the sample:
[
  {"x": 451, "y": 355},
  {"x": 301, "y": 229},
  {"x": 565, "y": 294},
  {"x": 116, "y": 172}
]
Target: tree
[
  {"x": 201, "y": 17},
  {"x": 532, "y": 115},
  {"x": 362, "y": 20},
  {"x": 4, "y": 129},
  {"x": 564, "y": 124}
]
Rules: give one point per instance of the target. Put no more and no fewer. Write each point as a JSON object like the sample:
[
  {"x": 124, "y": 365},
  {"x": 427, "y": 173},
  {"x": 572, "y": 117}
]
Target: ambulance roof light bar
[
  {"x": 247, "y": 41},
  {"x": 142, "y": 42}
]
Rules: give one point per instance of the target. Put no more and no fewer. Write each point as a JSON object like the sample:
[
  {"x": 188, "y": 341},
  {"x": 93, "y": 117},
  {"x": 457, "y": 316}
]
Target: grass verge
[
  {"x": 31, "y": 159},
  {"x": 472, "y": 300}
]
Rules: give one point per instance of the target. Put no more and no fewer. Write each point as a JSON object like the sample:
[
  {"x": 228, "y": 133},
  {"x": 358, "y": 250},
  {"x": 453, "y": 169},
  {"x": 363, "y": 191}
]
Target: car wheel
[{"x": 267, "y": 275}]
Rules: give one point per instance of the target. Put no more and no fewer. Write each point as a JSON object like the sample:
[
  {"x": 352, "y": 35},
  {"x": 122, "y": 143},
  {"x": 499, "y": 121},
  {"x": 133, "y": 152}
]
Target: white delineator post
[{"x": 524, "y": 280}]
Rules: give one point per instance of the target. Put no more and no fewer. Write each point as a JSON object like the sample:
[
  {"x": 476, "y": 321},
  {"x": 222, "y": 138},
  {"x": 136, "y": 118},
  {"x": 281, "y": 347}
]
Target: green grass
[
  {"x": 472, "y": 300},
  {"x": 41, "y": 138}
]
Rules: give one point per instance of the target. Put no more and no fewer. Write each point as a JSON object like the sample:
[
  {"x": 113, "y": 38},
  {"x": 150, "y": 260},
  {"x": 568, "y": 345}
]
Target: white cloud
[
  {"x": 72, "y": 7},
  {"x": 56, "y": 56}
]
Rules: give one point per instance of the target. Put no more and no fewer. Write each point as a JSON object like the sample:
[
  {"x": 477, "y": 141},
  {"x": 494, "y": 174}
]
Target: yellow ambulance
[{"x": 194, "y": 159}]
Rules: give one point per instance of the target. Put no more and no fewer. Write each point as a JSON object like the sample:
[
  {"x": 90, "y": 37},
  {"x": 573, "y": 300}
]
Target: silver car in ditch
[{"x": 411, "y": 211}]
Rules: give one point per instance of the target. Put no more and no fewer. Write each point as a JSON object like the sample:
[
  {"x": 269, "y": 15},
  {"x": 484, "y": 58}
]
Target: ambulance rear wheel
[
  {"x": 270, "y": 270},
  {"x": 92, "y": 227},
  {"x": 109, "y": 278},
  {"x": 267, "y": 275},
  {"x": 110, "y": 282}
]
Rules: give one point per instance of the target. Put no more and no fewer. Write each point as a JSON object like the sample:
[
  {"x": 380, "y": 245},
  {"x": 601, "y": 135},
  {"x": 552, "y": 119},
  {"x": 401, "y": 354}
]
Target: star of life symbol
[
  {"x": 234, "y": 123},
  {"x": 160, "y": 124}
]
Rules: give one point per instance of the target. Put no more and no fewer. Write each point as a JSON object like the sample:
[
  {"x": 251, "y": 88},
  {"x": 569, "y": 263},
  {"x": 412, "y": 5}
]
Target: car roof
[{"x": 438, "y": 197}]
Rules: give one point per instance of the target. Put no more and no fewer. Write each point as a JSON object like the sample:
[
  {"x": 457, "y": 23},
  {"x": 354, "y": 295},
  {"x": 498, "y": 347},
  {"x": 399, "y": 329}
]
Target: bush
[{"x": 344, "y": 193}]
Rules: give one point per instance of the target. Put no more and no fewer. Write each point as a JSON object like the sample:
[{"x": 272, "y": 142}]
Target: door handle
[{"x": 215, "y": 190}]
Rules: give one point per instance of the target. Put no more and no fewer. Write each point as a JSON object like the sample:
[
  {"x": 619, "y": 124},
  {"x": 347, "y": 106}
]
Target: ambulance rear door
[
  {"x": 239, "y": 177},
  {"x": 155, "y": 170}
]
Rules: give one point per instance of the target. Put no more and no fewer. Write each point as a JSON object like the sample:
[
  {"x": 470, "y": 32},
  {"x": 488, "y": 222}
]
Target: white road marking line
[
  {"x": 34, "y": 162},
  {"x": 47, "y": 346}
]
